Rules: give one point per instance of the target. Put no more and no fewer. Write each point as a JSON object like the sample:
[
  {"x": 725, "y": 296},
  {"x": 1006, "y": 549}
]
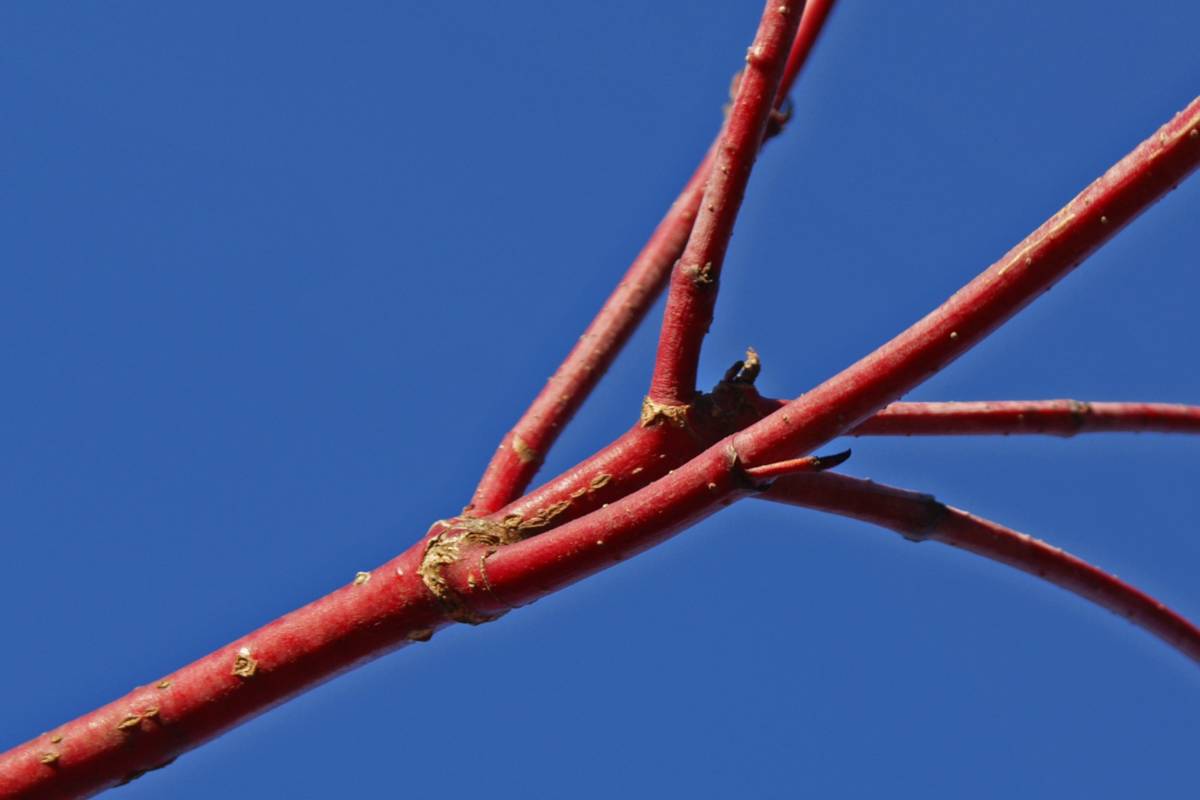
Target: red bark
[
  {"x": 920, "y": 517},
  {"x": 690, "y": 455},
  {"x": 1092, "y": 218},
  {"x": 1012, "y": 417},
  {"x": 524, "y": 570},
  {"x": 149, "y": 727},
  {"x": 693, "y": 289},
  {"x": 523, "y": 449}
]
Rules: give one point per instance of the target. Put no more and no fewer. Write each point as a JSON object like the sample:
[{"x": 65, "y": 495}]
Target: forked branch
[
  {"x": 693, "y": 288},
  {"x": 523, "y": 571},
  {"x": 524, "y": 448},
  {"x": 655, "y": 480}
]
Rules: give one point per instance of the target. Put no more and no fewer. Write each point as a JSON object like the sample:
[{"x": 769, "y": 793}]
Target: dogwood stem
[
  {"x": 920, "y": 517},
  {"x": 1021, "y": 417}
]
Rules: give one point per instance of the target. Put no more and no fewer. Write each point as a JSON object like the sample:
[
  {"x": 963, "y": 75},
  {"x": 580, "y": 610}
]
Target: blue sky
[{"x": 277, "y": 278}]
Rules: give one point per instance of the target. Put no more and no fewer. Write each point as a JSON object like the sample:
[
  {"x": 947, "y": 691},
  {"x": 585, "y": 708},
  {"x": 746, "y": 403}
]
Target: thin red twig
[
  {"x": 812, "y": 22},
  {"x": 795, "y": 466},
  {"x": 1126, "y": 190},
  {"x": 1013, "y": 417},
  {"x": 405, "y": 600},
  {"x": 524, "y": 447},
  {"x": 920, "y": 517},
  {"x": 693, "y": 287}
]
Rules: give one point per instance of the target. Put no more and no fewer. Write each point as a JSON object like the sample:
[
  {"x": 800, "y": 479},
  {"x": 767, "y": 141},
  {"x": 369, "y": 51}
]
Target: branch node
[
  {"x": 448, "y": 547},
  {"x": 657, "y": 413},
  {"x": 933, "y": 511},
  {"x": 1080, "y": 412},
  {"x": 778, "y": 119},
  {"x": 525, "y": 453}
]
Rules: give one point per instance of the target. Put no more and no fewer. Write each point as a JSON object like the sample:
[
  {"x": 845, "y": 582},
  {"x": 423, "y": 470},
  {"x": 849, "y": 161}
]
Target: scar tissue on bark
[
  {"x": 49, "y": 757},
  {"x": 243, "y": 665},
  {"x": 164, "y": 685},
  {"x": 595, "y": 484},
  {"x": 420, "y": 635},
  {"x": 130, "y": 721},
  {"x": 701, "y": 275},
  {"x": 446, "y": 548},
  {"x": 544, "y": 517},
  {"x": 361, "y": 578},
  {"x": 525, "y": 453},
  {"x": 656, "y": 413}
]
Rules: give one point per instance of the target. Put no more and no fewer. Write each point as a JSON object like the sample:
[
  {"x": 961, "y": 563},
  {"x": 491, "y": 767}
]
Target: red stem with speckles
[
  {"x": 662, "y": 476},
  {"x": 523, "y": 449},
  {"x": 523, "y": 571},
  {"x": 693, "y": 290},
  {"x": 920, "y": 517},
  {"x": 1092, "y": 218},
  {"x": 1016, "y": 417}
]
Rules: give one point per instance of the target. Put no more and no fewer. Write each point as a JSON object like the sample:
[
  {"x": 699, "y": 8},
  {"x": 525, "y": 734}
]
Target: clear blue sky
[{"x": 276, "y": 277}]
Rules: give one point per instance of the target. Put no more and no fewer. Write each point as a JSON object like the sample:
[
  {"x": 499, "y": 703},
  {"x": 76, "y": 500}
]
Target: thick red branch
[
  {"x": 402, "y": 601},
  {"x": 381, "y": 610},
  {"x": 627, "y": 498},
  {"x": 519, "y": 573},
  {"x": 1028, "y": 270},
  {"x": 920, "y": 517},
  {"x": 693, "y": 288},
  {"x": 637, "y": 458},
  {"x": 147, "y": 728},
  {"x": 1012, "y": 417}
]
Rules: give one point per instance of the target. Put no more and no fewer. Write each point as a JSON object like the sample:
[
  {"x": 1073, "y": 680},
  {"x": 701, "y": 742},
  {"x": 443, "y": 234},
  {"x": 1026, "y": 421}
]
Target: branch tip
[
  {"x": 833, "y": 460},
  {"x": 798, "y": 465}
]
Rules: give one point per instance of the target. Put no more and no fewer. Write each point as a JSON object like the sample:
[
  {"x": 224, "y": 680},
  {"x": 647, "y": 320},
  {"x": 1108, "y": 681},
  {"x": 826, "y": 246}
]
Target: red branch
[
  {"x": 384, "y": 609},
  {"x": 920, "y": 517},
  {"x": 1012, "y": 417},
  {"x": 405, "y": 600},
  {"x": 812, "y": 22},
  {"x": 693, "y": 289},
  {"x": 150, "y": 726},
  {"x": 626, "y": 498},
  {"x": 1026, "y": 271},
  {"x": 523, "y": 449},
  {"x": 521, "y": 572}
]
